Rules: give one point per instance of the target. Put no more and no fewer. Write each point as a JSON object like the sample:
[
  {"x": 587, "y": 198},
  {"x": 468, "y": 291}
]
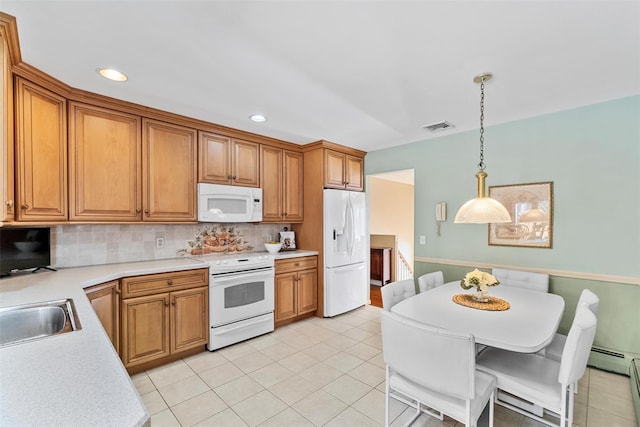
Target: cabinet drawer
[
  {"x": 293, "y": 264},
  {"x": 163, "y": 282}
]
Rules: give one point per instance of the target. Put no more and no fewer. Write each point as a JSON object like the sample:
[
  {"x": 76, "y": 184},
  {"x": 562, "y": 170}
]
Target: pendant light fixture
[{"x": 482, "y": 209}]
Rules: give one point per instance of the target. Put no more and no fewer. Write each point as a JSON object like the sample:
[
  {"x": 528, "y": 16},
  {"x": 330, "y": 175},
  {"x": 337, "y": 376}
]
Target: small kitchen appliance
[{"x": 229, "y": 203}]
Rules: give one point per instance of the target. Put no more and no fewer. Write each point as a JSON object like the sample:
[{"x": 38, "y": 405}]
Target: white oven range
[{"x": 241, "y": 297}]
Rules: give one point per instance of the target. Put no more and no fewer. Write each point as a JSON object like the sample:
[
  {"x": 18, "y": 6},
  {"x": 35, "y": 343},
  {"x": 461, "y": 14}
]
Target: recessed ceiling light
[
  {"x": 258, "y": 118},
  {"x": 111, "y": 74}
]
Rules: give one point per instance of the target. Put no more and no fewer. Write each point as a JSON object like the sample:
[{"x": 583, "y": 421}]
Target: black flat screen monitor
[{"x": 23, "y": 248}]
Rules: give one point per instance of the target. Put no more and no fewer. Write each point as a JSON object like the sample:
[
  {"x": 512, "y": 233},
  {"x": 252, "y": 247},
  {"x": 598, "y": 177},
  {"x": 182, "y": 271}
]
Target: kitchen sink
[{"x": 22, "y": 323}]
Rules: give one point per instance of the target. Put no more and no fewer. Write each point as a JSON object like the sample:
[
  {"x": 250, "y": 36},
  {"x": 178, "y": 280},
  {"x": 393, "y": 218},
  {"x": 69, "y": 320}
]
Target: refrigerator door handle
[{"x": 350, "y": 230}]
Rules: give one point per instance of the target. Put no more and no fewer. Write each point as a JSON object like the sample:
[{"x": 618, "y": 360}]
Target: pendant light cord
[{"x": 481, "y": 165}]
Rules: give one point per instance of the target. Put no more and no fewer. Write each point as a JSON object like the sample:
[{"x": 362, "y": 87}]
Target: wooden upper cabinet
[
  {"x": 7, "y": 198},
  {"x": 292, "y": 182},
  {"x": 214, "y": 158},
  {"x": 281, "y": 178},
  {"x": 334, "y": 163},
  {"x": 246, "y": 163},
  {"x": 41, "y": 152},
  {"x": 354, "y": 173},
  {"x": 343, "y": 171},
  {"x": 271, "y": 177},
  {"x": 105, "y": 154},
  {"x": 169, "y": 163},
  {"x": 224, "y": 160}
]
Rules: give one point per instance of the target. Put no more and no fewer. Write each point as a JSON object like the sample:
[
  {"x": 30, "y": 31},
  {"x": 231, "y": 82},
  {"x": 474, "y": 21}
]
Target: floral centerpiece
[{"x": 481, "y": 280}]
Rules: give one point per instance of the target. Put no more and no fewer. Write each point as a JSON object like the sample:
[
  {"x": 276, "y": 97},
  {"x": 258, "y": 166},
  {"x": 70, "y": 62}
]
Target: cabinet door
[
  {"x": 376, "y": 264},
  {"x": 307, "y": 291},
  {"x": 334, "y": 163},
  {"x": 105, "y": 299},
  {"x": 169, "y": 165},
  {"x": 271, "y": 178},
  {"x": 292, "y": 181},
  {"x": 215, "y": 158},
  {"x": 41, "y": 150},
  {"x": 189, "y": 319},
  {"x": 246, "y": 162},
  {"x": 285, "y": 295},
  {"x": 354, "y": 173},
  {"x": 7, "y": 197},
  {"x": 104, "y": 164},
  {"x": 145, "y": 330}
]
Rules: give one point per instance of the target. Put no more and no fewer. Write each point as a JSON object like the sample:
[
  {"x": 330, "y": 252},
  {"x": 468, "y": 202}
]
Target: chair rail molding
[{"x": 629, "y": 280}]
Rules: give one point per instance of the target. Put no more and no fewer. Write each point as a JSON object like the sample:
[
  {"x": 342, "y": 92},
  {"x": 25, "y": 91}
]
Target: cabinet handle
[
  {"x": 9, "y": 203},
  {"x": 296, "y": 264},
  {"x": 146, "y": 212},
  {"x": 25, "y": 206},
  {"x": 234, "y": 177},
  {"x": 138, "y": 210},
  {"x": 229, "y": 176},
  {"x": 166, "y": 303},
  {"x": 170, "y": 282}
]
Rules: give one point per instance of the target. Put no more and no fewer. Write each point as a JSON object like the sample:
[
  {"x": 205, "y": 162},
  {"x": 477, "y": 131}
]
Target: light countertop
[
  {"x": 294, "y": 254},
  {"x": 75, "y": 378}
]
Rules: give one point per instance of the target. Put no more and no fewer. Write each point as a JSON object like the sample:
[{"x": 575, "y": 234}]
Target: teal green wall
[{"x": 592, "y": 155}]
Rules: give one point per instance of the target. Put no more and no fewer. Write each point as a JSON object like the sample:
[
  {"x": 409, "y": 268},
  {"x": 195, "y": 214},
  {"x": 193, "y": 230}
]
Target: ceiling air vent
[{"x": 439, "y": 126}]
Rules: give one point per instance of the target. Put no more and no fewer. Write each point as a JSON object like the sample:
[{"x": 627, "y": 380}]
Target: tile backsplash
[{"x": 80, "y": 245}]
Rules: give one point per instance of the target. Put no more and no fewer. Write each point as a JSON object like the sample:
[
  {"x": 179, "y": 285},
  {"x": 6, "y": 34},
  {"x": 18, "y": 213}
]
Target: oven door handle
[
  {"x": 244, "y": 325},
  {"x": 242, "y": 276}
]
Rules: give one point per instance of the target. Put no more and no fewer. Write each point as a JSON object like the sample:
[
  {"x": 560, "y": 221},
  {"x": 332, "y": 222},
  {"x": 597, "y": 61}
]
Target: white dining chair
[
  {"x": 434, "y": 371},
  {"x": 430, "y": 280},
  {"x": 542, "y": 381},
  {"x": 394, "y": 292},
  {"x": 522, "y": 279},
  {"x": 554, "y": 350}
]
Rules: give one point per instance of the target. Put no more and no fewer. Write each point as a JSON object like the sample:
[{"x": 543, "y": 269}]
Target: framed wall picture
[
  {"x": 288, "y": 240},
  {"x": 531, "y": 210}
]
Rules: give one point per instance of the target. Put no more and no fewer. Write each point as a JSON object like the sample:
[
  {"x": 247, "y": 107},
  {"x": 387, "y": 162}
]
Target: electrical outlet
[
  {"x": 159, "y": 242},
  {"x": 423, "y": 240}
]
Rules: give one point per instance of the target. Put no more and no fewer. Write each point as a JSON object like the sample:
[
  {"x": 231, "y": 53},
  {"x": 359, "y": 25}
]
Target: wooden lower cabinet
[
  {"x": 145, "y": 329},
  {"x": 189, "y": 314},
  {"x": 161, "y": 327},
  {"x": 296, "y": 287},
  {"x": 105, "y": 300}
]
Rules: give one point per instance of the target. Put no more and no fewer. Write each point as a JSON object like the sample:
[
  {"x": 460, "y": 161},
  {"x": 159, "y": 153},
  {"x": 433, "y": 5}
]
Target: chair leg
[
  {"x": 386, "y": 399},
  {"x": 491, "y": 405},
  {"x": 571, "y": 401},
  {"x": 563, "y": 406}
]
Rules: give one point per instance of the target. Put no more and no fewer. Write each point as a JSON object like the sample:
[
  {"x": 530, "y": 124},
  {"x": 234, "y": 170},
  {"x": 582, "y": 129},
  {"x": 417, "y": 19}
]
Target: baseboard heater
[{"x": 611, "y": 360}]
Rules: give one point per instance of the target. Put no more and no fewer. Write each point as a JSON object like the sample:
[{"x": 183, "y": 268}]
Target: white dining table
[{"x": 527, "y": 326}]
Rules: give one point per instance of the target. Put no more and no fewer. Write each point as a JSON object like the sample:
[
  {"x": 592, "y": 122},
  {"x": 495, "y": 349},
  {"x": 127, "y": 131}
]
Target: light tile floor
[{"x": 324, "y": 372}]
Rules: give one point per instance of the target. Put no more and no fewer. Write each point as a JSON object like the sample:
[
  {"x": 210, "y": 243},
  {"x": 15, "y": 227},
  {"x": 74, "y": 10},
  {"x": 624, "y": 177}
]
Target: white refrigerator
[{"x": 345, "y": 251}]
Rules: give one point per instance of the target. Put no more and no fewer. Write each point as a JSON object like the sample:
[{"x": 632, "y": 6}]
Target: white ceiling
[{"x": 367, "y": 74}]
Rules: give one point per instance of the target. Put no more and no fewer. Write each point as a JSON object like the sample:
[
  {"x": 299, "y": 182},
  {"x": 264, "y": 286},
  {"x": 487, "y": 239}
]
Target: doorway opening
[{"x": 391, "y": 229}]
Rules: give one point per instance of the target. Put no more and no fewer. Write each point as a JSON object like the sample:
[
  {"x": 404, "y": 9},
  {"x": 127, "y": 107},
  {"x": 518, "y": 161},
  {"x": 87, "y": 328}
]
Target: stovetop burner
[{"x": 238, "y": 262}]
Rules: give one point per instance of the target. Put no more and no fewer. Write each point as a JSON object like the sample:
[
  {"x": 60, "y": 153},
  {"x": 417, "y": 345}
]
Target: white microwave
[{"x": 229, "y": 203}]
